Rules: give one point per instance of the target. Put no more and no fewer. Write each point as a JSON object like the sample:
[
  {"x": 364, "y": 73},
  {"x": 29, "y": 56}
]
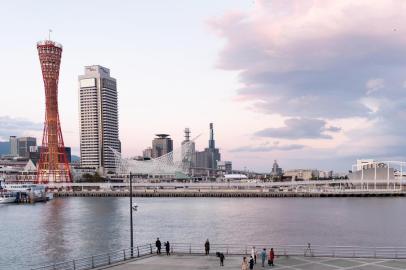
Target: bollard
[
  {"x": 109, "y": 260},
  {"x": 92, "y": 262},
  {"x": 74, "y": 264},
  {"x": 150, "y": 246},
  {"x": 138, "y": 252},
  {"x": 190, "y": 249},
  {"x": 124, "y": 254}
]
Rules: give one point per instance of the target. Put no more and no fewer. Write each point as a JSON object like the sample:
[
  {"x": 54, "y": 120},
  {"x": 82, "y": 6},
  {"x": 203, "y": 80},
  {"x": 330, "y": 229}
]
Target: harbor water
[{"x": 67, "y": 228}]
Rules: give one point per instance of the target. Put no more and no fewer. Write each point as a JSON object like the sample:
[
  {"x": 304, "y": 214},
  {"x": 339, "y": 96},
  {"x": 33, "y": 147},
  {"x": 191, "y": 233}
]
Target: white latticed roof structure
[{"x": 177, "y": 161}]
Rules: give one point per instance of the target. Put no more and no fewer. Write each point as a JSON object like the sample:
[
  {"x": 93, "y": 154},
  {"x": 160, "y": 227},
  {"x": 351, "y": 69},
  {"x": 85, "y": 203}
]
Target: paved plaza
[{"x": 180, "y": 262}]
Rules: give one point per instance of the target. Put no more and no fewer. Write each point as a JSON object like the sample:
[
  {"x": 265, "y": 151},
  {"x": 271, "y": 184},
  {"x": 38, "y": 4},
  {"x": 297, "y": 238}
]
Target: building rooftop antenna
[{"x": 49, "y": 34}]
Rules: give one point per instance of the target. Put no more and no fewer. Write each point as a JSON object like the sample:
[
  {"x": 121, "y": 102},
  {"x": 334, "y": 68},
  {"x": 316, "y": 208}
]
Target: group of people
[
  {"x": 158, "y": 245},
  {"x": 253, "y": 259},
  {"x": 245, "y": 265}
]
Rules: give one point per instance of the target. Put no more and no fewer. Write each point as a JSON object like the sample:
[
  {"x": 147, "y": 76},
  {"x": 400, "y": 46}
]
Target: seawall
[{"x": 225, "y": 193}]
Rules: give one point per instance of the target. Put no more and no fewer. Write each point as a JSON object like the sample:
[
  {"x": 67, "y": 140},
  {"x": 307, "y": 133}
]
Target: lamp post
[{"x": 131, "y": 215}]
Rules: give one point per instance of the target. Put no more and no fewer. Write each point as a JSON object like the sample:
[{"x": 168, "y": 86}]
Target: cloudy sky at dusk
[{"x": 313, "y": 84}]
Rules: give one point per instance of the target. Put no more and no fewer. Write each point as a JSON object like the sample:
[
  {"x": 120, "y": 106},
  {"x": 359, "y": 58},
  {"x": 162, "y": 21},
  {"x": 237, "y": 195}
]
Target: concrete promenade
[{"x": 180, "y": 262}]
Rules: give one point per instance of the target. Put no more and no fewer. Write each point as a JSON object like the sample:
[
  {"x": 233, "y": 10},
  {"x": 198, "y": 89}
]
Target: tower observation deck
[{"x": 53, "y": 163}]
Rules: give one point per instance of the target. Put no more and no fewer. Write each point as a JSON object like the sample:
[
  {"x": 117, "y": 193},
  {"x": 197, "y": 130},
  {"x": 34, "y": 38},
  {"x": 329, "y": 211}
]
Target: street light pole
[{"x": 131, "y": 215}]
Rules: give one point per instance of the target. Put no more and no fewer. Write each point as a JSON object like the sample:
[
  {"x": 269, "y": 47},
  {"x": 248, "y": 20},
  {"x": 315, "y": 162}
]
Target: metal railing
[
  {"x": 229, "y": 249},
  {"x": 295, "y": 250},
  {"x": 100, "y": 259}
]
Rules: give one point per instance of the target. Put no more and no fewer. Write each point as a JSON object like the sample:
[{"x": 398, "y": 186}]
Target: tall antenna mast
[{"x": 49, "y": 34}]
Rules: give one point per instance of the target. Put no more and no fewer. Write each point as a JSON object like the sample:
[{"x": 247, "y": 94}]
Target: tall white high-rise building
[
  {"x": 13, "y": 146},
  {"x": 98, "y": 118}
]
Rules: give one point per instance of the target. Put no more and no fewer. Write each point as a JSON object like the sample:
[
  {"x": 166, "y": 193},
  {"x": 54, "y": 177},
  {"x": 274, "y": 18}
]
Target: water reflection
[{"x": 54, "y": 222}]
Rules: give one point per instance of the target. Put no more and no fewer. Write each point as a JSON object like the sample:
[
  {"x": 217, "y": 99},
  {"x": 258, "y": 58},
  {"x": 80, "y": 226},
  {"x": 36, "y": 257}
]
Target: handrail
[
  {"x": 99, "y": 260},
  {"x": 121, "y": 255}
]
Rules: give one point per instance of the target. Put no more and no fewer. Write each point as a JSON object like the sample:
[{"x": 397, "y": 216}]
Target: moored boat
[{"x": 7, "y": 197}]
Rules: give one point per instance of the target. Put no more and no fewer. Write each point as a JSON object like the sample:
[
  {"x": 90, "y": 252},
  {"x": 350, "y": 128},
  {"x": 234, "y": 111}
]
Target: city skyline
[{"x": 269, "y": 95}]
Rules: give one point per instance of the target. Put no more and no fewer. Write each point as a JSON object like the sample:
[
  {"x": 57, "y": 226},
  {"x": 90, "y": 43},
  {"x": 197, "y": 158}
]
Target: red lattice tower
[{"x": 53, "y": 164}]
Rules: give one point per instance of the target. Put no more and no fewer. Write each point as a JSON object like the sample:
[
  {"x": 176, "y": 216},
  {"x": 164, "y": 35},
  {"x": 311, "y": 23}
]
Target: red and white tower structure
[{"x": 53, "y": 164}]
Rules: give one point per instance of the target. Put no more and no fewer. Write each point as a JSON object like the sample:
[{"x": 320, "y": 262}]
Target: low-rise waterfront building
[
  {"x": 225, "y": 166},
  {"x": 301, "y": 174}
]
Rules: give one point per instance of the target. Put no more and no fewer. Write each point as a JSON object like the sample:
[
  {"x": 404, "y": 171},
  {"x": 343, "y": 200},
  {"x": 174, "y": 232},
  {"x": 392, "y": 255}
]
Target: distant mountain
[
  {"x": 75, "y": 158},
  {"x": 4, "y": 148}
]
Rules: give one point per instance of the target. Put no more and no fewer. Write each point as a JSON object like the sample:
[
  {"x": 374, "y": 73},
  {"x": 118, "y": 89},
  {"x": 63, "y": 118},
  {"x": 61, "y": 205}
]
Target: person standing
[
  {"x": 251, "y": 263},
  {"x": 254, "y": 254},
  {"x": 167, "y": 248},
  {"x": 158, "y": 246},
  {"x": 271, "y": 257},
  {"x": 207, "y": 247},
  {"x": 222, "y": 259},
  {"x": 244, "y": 264},
  {"x": 263, "y": 257}
]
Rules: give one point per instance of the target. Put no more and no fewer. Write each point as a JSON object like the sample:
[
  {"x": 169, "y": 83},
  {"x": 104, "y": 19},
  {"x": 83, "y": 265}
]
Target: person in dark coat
[
  {"x": 251, "y": 263},
  {"x": 222, "y": 259},
  {"x": 167, "y": 248},
  {"x": 158, "y": 246},
  {"x": 207, "y": 247}
]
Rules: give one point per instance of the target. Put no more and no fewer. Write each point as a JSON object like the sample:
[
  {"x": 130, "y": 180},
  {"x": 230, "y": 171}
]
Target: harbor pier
[
  {"x": 288, "y": 257},
  {"x": 332, "y": 188}
]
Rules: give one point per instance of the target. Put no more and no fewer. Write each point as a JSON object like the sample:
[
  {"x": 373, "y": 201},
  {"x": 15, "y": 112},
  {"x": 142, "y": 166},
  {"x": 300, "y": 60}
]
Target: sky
[{"x": 312, "y": 84}]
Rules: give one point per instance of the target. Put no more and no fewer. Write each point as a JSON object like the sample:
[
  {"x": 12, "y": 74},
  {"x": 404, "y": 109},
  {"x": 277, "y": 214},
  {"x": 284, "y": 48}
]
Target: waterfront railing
[
  {"x": 100, "y": 260},
  {"x": 296, "y": 250},
  {"x": 308, "y": 250}
]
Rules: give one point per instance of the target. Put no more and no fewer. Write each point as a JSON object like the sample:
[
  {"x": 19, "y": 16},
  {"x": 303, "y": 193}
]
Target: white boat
[
  {"x": 24, "y": 187},
  {"x": 7, "y": 197},
  {"x": 37, "y": 190}
]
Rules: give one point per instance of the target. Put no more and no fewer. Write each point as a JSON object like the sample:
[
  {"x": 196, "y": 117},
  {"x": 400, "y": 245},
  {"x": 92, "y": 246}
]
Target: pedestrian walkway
[{"x": 175, "y": 262}]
